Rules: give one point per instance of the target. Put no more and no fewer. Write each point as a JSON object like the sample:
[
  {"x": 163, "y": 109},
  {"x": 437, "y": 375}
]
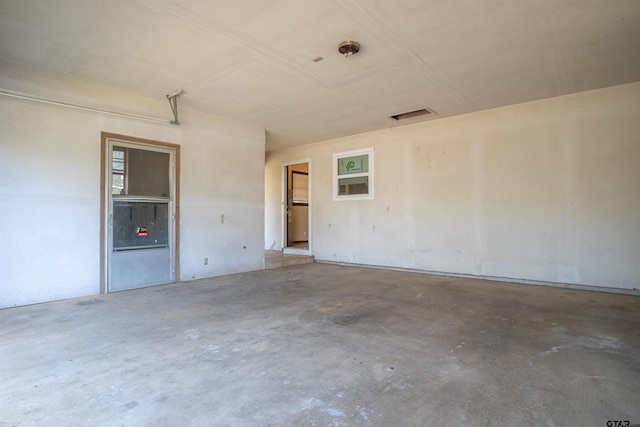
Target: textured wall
[
  {"x": 544, "y": 191},
  {"x": 50, "y": 188}
]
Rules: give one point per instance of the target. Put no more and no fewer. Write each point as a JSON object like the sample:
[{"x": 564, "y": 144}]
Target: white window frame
[{"x": 370, "y": 174}]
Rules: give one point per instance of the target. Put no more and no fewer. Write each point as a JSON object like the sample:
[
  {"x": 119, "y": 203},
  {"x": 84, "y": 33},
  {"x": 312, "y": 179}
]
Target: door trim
[
  {"x": 283, "y": 211},
  {"x": 104, "y": 155}
]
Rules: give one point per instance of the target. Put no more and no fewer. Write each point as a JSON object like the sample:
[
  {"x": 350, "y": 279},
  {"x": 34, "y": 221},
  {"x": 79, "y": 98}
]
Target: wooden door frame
[
  {"x": 288, "y": 231},
  {"x": 104, "y": 155},
  {"x": 283, "y": 193}
]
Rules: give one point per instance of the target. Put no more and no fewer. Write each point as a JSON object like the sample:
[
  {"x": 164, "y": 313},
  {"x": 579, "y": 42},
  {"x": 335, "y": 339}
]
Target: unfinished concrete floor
[{"x": 324, "y": 345}]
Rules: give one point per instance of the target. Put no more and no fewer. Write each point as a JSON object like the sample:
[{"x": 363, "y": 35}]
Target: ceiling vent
[{"x": 413, "y": 114}]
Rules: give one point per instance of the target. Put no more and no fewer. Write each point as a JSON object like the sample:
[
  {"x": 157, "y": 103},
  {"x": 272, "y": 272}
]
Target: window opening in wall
[
  {"x": 139, "y": 172},
  {"x": 353, "y": 175}
]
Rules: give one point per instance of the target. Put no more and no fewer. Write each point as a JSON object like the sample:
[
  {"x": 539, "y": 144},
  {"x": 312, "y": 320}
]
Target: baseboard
[{"x": 592, "y": 288}]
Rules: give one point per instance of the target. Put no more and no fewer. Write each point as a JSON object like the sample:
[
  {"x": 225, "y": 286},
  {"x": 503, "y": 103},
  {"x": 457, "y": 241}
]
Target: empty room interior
[{"x": 320, "y": 213}]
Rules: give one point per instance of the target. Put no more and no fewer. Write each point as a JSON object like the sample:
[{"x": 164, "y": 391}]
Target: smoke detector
[{"x": 348, "y": 48}]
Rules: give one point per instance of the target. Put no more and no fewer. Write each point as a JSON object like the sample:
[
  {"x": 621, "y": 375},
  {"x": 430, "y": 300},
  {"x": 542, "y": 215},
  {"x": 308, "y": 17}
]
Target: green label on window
[{"x": 355, "y": 164}]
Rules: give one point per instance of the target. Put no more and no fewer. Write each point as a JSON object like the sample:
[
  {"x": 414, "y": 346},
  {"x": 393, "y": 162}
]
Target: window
[
  {"x": 353, "y": 175},
  {"x": 139, "y": 172},
  {"x": 118, "y": 163}
]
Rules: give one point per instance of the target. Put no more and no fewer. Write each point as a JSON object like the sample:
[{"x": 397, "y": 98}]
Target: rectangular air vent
[{"x": 412, "y": 114}]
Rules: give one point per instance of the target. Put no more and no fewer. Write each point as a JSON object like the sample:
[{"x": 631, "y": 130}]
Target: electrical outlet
[{"x": 206, "y": 261}]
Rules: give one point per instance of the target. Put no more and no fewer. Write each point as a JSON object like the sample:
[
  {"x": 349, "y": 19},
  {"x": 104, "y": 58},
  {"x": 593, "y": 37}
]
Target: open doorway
[{"x": 297, "y": 214}]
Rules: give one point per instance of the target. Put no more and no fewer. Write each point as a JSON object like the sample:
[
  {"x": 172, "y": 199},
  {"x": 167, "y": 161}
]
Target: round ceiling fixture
[{"x": 348, "y": 48}]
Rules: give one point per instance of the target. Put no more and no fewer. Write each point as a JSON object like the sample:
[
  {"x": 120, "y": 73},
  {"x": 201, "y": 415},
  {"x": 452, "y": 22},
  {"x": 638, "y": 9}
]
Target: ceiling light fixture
[{"x": 348, "y": 48}]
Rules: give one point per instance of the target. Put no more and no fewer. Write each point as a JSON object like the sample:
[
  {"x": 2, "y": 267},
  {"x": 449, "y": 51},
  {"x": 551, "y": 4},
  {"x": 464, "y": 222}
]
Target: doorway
[
  {"x": 297, "y": 212},
  {"x": 139, "y": 227}
]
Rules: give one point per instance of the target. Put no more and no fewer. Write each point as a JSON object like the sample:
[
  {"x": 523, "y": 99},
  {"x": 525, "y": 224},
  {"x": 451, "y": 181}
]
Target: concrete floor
[
  {"x": 277, "y": 259},
  {"x": 324, "y": 345}
]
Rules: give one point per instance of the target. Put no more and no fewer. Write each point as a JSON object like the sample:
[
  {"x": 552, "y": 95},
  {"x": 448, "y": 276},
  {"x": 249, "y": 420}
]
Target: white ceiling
[{"x": 252, "y": 60}]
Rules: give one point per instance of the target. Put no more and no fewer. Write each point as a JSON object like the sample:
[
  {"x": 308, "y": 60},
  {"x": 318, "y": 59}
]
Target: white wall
[
  {"x": 50, "y": 187},
  {"x": 544, "y": 191}
]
